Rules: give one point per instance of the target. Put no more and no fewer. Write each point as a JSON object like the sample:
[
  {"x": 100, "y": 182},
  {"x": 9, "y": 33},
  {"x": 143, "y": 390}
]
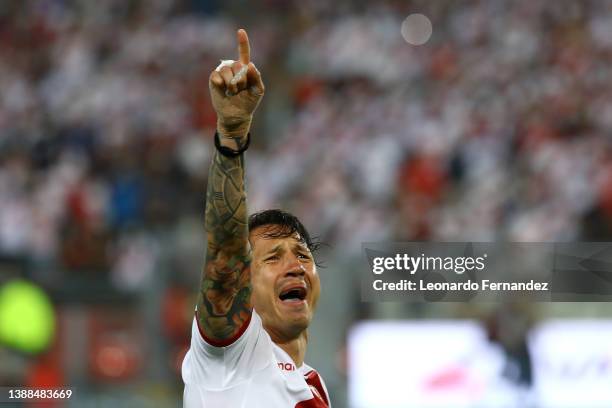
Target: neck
[{"x": 296, "y": 348}]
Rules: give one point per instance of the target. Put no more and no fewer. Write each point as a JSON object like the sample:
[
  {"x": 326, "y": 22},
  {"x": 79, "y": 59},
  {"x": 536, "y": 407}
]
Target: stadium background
[{"x": 498, "y": 128}]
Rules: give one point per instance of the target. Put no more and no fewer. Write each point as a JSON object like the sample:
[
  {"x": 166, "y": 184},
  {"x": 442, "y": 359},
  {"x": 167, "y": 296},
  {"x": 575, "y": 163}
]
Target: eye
[
  {"x": 304, "y": 256},
  {"x": 272, "y": 258}
]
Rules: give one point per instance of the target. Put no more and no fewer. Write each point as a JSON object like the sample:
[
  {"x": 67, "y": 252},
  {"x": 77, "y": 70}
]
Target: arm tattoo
[{"x": 224, "y": 303}]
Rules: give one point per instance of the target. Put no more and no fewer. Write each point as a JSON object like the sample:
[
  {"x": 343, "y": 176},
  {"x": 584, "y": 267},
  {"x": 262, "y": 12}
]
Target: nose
[{"x": 295, "y": 267}]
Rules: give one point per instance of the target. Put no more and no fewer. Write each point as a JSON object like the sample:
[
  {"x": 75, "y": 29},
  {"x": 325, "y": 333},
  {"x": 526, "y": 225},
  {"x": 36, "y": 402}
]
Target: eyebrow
[
  {"x": 297, "y": 246},
  {"x": 274, "y": 249},
  {"x": 302, "y": 248},
  {"x": 300, "y": 245}
]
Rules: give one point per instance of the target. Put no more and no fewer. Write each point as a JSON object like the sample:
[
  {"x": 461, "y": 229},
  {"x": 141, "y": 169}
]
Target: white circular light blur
[{"x": 416, "y": 29}]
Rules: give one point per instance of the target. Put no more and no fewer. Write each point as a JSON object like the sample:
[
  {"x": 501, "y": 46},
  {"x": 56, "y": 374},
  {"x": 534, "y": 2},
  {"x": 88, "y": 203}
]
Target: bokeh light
[
  {"x": 27, "y": 320},
  {"x": 416, "y": 29}
]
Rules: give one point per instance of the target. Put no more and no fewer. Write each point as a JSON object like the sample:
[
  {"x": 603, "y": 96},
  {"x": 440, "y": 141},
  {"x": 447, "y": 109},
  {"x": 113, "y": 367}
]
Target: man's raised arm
[{"x": 224, "y": 303}]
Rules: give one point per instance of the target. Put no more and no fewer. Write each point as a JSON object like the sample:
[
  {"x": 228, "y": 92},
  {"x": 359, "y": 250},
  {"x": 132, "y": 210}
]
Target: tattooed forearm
[{"x": 224, "y": 301}]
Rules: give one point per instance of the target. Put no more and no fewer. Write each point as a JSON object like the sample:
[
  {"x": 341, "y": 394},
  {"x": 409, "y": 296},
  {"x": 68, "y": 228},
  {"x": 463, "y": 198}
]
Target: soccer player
[{"x": 260, "y": 284}]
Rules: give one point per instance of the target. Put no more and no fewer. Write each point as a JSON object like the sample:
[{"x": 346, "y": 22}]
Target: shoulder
[{"x": 252, "y": 351}]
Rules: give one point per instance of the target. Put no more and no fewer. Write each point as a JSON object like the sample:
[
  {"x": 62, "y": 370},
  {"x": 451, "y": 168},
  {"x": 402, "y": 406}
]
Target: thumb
[{"x": 254, "y": 81}]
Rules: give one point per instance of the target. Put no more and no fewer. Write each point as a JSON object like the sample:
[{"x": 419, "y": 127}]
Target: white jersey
[{"x": 251, "y": 372}]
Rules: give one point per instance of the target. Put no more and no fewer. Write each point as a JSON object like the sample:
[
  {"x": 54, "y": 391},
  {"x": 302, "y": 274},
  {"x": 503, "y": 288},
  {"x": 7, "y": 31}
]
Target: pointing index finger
[{"x": 244, "y": 49}]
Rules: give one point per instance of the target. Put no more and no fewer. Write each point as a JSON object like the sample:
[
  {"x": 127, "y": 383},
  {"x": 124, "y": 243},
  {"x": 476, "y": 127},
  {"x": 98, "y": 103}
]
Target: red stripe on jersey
[
  {"x": 320, "y": 397},
  {"x": 312, "y": 403},
  {"x": 226, "y": 342}
]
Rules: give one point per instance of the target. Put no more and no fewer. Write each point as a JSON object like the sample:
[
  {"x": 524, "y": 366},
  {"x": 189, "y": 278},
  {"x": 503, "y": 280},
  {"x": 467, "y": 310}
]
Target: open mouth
[{"x": 293, "y": 294}]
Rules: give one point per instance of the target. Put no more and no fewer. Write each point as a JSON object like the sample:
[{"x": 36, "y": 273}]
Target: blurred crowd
[{"x": 497, "y": 128}]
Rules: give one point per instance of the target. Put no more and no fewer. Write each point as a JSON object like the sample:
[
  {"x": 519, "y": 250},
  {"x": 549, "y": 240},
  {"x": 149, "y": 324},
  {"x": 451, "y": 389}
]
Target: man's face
[{"x": 285, "y": 283}]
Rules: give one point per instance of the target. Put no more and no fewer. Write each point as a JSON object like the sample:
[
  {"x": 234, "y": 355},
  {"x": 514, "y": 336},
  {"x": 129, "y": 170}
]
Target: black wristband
[{"x": 226, "y": 151}]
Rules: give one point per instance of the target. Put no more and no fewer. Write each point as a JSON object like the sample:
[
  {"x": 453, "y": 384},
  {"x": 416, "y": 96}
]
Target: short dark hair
[{"x": 287, "y": 223}]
